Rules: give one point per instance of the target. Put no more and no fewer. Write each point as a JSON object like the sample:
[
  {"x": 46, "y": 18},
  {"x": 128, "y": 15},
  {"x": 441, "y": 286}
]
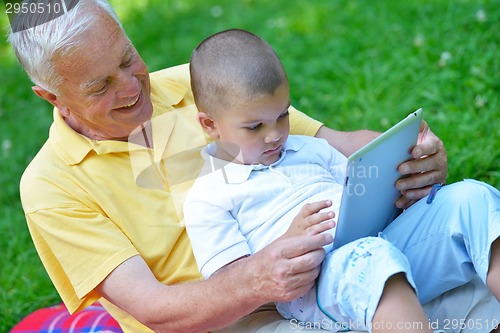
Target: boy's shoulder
[
  {"x": 313, "y": 148},
  {"x": 302, "y": 140}
]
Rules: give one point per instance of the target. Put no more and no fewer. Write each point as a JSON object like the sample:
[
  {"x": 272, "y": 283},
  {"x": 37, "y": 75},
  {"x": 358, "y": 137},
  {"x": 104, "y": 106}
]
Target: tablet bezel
[{"x": 368, "y": 200}]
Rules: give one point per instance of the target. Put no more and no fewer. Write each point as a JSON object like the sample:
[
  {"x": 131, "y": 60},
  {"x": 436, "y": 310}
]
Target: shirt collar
[
  {"x": 73, "y": 147},
  {"x": 236, "y": 173}
]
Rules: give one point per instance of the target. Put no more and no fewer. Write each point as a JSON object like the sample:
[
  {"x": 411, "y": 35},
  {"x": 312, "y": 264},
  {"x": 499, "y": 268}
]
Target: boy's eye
[
  {"x": 283, "y": 115},
  {"x": 254, "y": 128}
]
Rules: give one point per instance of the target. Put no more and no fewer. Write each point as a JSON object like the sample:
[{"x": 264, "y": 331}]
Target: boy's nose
[{"x": 273, "y": 136}]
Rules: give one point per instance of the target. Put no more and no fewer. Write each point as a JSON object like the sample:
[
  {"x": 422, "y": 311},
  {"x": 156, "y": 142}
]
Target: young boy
[{"x": 259, "y": 184}]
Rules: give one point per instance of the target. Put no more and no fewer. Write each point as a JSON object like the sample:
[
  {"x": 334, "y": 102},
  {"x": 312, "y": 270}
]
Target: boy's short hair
[{"x": 233, "y": 64}]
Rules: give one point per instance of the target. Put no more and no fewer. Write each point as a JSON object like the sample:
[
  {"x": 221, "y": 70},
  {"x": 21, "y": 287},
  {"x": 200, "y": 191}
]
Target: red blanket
[{"x": 56, "y": 319}]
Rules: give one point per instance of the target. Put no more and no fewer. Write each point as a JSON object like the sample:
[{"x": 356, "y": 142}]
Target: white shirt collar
[{"x": 236, "y": 173}]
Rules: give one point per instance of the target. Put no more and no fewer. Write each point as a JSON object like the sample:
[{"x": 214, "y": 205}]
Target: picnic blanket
[{"x": 57, "y": 319}]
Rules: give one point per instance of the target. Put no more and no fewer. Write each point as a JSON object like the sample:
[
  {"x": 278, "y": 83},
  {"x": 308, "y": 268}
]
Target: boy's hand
[{"x": 310, "y": 221}]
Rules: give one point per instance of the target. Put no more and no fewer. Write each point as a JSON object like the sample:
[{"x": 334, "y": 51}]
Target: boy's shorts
[{"x": 349, "y": 287}]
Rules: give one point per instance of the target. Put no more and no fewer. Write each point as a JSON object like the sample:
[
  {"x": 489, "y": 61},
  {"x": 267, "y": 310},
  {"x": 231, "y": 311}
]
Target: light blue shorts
[
  {"x": 448, "y": 241},
  {"x": 350, "y": 285},
  {"x": 439, "y": 246}
]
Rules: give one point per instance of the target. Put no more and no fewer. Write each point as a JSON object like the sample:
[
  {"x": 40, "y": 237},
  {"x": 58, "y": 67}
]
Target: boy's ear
[
  {"x": 208, "y": 123},
  {"x": 51, "y": 98}
]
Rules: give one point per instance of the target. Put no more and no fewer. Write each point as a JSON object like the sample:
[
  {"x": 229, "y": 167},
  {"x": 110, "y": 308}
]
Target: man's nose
[{"x": 129, "y": 86}]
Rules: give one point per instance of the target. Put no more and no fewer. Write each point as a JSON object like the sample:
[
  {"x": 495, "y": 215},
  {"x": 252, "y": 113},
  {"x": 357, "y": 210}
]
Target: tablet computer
[{"x": 368, "y": 200}]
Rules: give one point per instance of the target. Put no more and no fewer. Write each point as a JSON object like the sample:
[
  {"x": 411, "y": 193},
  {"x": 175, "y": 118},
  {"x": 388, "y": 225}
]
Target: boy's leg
[
  {"x": 448, "y": 241},
  {"x": 399, "y": 309},
  {"x": 351, "y": 284},
  {"x": 493, "y": 278},
  {"x": 472, "y": 303}
]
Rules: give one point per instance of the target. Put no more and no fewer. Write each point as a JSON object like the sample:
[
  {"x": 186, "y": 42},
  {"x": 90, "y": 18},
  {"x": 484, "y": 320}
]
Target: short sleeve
[
  {"x": 215, "y": 235},
  {"x": 335, "y": 161},
  {"x": 302, "y": 124},
  {"x": 79, "y": 248}
]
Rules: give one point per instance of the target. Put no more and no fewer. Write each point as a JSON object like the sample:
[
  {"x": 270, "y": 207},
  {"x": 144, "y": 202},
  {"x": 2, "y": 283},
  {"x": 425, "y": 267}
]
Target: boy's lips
[{"x": 273, "y": 151}]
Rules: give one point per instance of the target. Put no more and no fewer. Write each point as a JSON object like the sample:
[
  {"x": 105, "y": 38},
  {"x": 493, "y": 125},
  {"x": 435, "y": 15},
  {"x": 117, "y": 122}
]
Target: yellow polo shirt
[{"x": 90, "y": 205}]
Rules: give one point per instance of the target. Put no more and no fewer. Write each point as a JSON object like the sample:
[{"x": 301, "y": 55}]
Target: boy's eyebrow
[
  {"x": 259, "y": 120},
  {"x": 87, "y": 86}
]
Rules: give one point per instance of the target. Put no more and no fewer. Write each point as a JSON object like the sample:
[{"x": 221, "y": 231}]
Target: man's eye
[
  {"x": 128, "y": 62},
  {"x": 254, "y": 128},
  {"x": 100, "y": 91}
]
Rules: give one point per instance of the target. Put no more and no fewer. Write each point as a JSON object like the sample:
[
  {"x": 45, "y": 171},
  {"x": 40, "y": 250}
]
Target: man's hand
[
  {"x": 310, "y": 221},
  {"x": 287, "y": 268},
  {"x": 428, "y": 167}
]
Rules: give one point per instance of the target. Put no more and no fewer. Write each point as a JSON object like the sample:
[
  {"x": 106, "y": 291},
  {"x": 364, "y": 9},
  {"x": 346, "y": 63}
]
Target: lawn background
[{"x": 352, "y": 64}]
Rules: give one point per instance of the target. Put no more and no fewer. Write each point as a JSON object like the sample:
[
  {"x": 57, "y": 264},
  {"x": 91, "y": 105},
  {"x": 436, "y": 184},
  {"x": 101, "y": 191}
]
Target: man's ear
[
  {"x": 51, "y": 98},
  {"x": 208, "y": 123}
]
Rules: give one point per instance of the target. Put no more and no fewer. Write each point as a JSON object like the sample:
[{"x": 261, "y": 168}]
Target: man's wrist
[{"x": 243, "y": 282}]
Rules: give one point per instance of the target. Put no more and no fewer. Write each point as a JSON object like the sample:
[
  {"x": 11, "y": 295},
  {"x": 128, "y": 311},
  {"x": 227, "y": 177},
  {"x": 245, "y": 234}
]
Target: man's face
[
  {"x": 106, "y": 91},
  {"x": 254, "y": 133}
]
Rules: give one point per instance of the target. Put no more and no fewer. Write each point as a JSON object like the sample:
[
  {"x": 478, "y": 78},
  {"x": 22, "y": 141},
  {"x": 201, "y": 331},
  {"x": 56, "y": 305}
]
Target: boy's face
[{"x": 253, "y": 132}]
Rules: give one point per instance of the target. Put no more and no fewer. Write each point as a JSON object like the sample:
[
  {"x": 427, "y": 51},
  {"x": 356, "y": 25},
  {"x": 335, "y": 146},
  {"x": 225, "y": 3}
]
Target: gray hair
[{"x": 37, "y": 46}]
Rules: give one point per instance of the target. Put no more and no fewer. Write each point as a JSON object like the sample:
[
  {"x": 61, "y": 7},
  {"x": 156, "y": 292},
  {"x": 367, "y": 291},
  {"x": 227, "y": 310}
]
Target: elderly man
[{"x": 103, "y": 198}]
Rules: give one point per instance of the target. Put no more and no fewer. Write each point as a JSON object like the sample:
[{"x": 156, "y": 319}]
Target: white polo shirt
[{"x": 234, "y": 210}]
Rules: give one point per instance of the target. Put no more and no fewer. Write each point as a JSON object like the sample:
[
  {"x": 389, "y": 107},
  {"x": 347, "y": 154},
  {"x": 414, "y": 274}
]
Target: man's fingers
[
  {"x": 418, "y": 193},
  {"x": 411, "y": 196},
  {"x": 419, "y": 180},
  {"x": 298, "y": 285},
  {"x": 436, "y": 161},
  {"x": 307, "y": 262},
  {"x": 403, "y": 202}
]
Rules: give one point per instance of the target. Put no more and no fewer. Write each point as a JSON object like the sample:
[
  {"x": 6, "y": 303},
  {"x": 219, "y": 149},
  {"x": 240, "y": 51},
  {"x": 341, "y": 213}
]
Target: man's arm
[
  {"x": 428, "y": 167},
  {"x": 346, "y": 142},
  {"x": 282, "y": 271}
]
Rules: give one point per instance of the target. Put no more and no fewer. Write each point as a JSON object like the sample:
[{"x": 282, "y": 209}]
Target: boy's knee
[
  {"x": 378, "y": 248},
  {"x": 376, "y": 244},
  {"x": 466, "y": 192}
]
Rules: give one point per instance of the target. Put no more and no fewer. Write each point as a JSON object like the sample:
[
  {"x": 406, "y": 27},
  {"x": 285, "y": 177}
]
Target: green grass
[{"x": 352, "y": 64}]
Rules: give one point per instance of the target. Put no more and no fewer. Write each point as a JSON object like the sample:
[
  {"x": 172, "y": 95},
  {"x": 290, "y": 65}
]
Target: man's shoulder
[
  {"x": 178, "y": 73},
  {"x": 46, "y": 155},
  {"x": 39, "y": 176}
]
